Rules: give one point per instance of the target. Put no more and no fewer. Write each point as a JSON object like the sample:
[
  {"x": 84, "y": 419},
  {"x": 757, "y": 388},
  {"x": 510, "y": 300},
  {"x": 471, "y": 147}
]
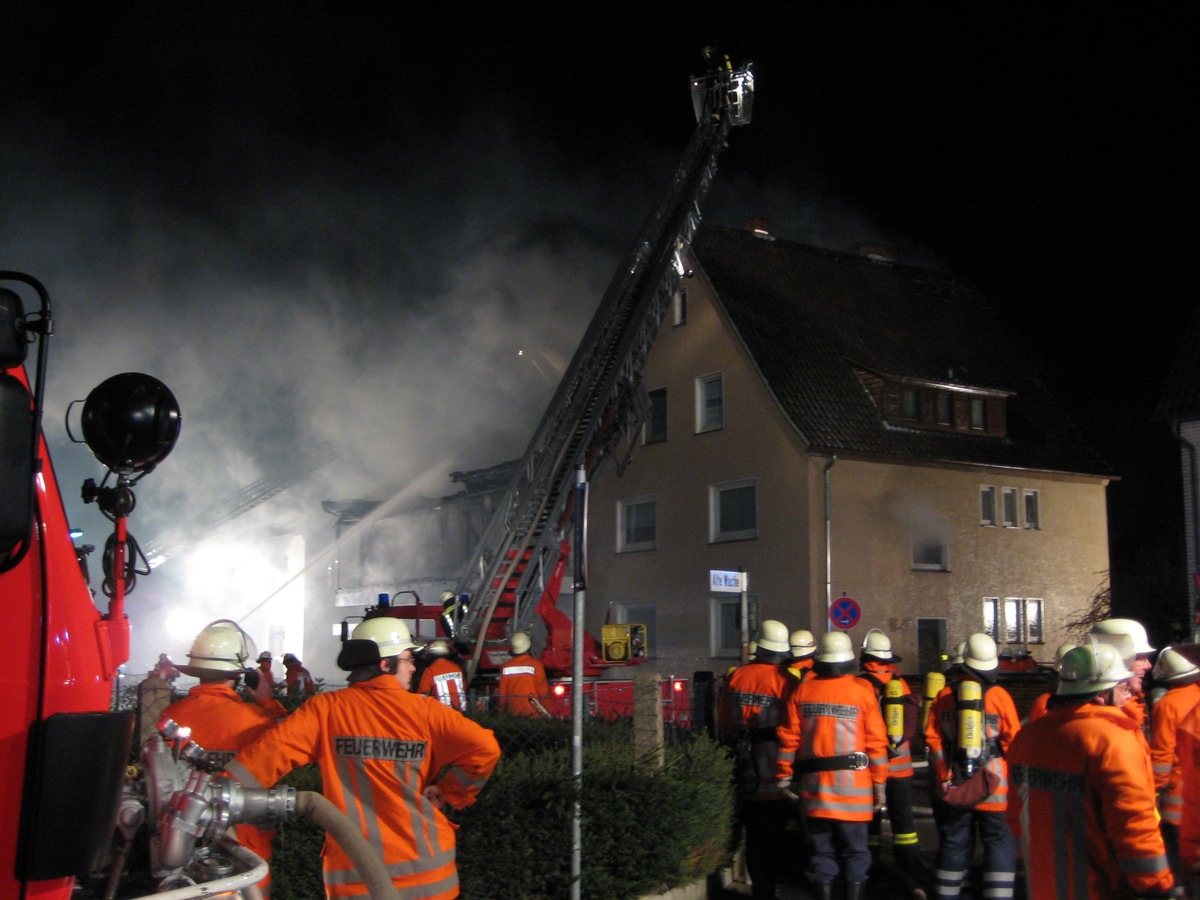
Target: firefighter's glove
[
  {"x": 880, "y": 796},
  {"x": 784, "y": 784}
]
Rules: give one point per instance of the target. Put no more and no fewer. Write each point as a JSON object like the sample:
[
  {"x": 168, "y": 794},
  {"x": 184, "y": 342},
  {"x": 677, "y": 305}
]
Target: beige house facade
[{"x": 854, "y": 436}]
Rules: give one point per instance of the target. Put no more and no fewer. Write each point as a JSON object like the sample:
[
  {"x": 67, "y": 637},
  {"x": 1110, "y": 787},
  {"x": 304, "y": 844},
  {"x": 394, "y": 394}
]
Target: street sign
[
  {"x": 845, "y": 612},
  {"x": 726, "y": 582}
]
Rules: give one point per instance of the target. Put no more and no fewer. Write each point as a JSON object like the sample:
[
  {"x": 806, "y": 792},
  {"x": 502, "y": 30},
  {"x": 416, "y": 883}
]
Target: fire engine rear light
[
  {"x": 559, "y": 689},
  {"x": 677, "y": 686}
]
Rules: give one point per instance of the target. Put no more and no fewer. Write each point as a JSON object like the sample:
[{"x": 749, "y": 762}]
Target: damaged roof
[{"x": 811, "y": 317}]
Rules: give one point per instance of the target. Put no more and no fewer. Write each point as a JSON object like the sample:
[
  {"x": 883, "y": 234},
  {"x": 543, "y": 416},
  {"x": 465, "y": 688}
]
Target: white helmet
[
  {"x": 980, "y": 653},
  {"x": 221, "y": 646},
  {"x": 773, "y": 635},
  {"x": 877, "y": 644},
  {"x": 1134, "y": 630},
  {"x": 956, "y": 657},
  {"x": 520, "y": 643},
  {"x": 835, "y": 648},
  {"x": 1173, "y": 667},
  {"x": 438, "y": 647},
  {"x": 1061, "y": 651},
  {"x": 1091, "y": 669},
  {"x": 389, "y": 635},
  {"x": 802, "y": 643}
]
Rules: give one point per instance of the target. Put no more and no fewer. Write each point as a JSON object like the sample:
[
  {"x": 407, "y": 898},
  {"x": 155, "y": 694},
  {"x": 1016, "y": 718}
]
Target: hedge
[{"x": 643, "y": 831}]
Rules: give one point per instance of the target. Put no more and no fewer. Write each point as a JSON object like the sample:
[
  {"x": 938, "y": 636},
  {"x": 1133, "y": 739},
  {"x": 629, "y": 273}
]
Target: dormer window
[{"x": 937, "y": 405}]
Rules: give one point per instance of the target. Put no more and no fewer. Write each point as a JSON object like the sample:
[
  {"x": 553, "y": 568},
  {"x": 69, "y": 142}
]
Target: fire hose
[{"x": 335, "y": 823}]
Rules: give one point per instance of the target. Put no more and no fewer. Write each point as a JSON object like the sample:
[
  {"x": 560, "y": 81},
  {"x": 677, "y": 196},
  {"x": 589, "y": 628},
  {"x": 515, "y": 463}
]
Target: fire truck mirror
[
  {"x": 16, "y": 465},
  {"x": 14, "y": 345}
]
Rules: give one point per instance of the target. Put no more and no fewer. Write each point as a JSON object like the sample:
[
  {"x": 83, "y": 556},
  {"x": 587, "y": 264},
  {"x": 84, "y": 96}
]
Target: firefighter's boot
[
  {"x": 908, "y": 860},
  {"x": 854, "y": 890}
]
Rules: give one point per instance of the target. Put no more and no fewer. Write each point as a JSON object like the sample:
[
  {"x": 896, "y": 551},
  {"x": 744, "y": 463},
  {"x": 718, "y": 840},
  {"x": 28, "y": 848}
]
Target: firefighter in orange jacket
[
  {"x": 960, "y": 763},
  {"x": 877, "y": 664},
  {"x": 389, "y": 758},
  {"x": 1042, "y": 701},
  {"x": 1130, "y": 639},
  {"x": 221, "y": 721},
  {"x": 748, "y": 713},
  {"x": 803, "y": 648},
  {"x": 299, "y": 681},
  {"x": 833, "y": 756},
  {"x": 1179, "y": 675},
  {"x": 523, "y": 683},
  {"x": 1188, "y": 747},
  {"x": 1082, "y": 804},
  {"x": 443, "y": 678}
]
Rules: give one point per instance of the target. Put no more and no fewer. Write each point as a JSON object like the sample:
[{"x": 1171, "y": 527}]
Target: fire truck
[{"x": 516, "y": 568}]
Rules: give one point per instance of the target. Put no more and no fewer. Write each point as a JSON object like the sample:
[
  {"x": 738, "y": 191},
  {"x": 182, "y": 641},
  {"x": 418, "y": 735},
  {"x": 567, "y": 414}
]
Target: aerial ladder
[{"x": 600, "y": 403}]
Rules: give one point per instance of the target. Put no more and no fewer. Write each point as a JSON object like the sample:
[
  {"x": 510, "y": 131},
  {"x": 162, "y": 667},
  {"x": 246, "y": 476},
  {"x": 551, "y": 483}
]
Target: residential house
[{"x": 844, "y": 428}]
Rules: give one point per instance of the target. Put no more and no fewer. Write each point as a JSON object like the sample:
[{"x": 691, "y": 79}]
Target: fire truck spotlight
[{"x": 131, "y": 422}]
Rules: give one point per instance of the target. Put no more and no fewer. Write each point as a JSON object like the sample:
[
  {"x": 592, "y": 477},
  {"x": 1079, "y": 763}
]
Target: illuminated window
[
  {"x": 710, "y": 402},
  {"x": 636, "y": 529},
  {"x": 991, "y": 617}
]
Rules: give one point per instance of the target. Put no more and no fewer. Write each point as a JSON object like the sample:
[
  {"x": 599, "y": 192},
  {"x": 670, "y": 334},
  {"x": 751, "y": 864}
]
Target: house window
[
  {"x": 1033, "y": 513},
  {"x": 726, "y": 623},
  {"x": 641, "y": 614},
  {"x": 1012, "y": 620},
  {"x": 945, "y": 409},
  {"x": 679, "y": 306},
  {"x": 1034, "y": 633},
  {"x": 656, "y": 418},
  {"x": 910, "y": 401},
  {"x": 1010, "y": 507},
  {"x": 710, "y": 402},
  {"x": 635, "y": 524},
  {"x": 733, "y": 510},
  {"x": 991, "y": 617},
  {"x": 930, "y": 550},
  {"x": 978, "y": 413},
  {"x": 987, "y": 504}
]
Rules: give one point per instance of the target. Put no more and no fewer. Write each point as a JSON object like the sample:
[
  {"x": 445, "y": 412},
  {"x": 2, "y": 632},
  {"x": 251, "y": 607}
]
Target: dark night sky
[{"x": 297, "y": 214}]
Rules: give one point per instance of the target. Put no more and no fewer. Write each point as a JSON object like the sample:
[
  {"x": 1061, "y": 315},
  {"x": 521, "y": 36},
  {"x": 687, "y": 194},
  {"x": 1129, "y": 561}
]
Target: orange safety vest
[
  {"x": 522, "y": 680},
  {"x": 830, "y": 716},
  {"x": 876, "y": 676},
  {"x": 443, "y": 680},
  {"x": 1082, "y": 807},
  {"x": 1000, "y": 726},
  {"x": 801, "y": 669},
  {"x": 1168, "y": 712},
  {"x": 749, "y": 710},
  {"x": 223, "y": 723},
  {"x": 1040, "y": 704},
  {"x": 1187, "y": 745},
  {"x": 379, "y": 747}
]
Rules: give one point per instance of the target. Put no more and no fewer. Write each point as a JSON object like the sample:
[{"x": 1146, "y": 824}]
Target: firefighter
[
  {"x": 1179, "y": 675},
  {"x": 523, "y": 680},
  {"x": 1188, "y": 747},
  {"x": 264, "y": 669},
  {"x": 221, "y": 721},
  {"x": 1038, "y": 709},
  {"x": 1129, "y": 637},
  {"x": 299, "y": 680},
  {"x": 443, "y": 678},
  {"x": 970, "y": 728},
  {"x": 750, "y": 705},
  {"x": 833, "y": 756},
  {"x": 390, "y": 760},
  {"x": 877, "y": 667},
  {"x": 803, "y": 648},
  {"x": 1082, "y": 804}
]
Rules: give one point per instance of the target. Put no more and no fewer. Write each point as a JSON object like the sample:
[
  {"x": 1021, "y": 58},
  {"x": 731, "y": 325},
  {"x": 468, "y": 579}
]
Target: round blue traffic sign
[{"x": 845, "y": 612}]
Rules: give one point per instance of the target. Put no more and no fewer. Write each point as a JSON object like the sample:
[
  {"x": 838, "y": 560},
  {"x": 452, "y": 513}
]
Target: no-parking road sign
[{"x": 845, "y": 612}]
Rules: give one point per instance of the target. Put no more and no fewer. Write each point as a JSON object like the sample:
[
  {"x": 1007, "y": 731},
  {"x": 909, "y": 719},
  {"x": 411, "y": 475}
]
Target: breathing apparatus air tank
[
  {"x": 934, "y": 682},
  {"x": 970, "y": 727},
  {"x": 893, "y": 708}
]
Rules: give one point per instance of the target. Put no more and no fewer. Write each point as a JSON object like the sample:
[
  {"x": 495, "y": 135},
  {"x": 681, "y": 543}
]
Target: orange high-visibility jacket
[
  {"x": 443, "y": 680},
  {"x": 379, "y": 746},
  {"x": 1038, "y": 709},
  {"x": 1082, "y": 807},
  {"x": 1168, "y": 712},
  {"x": 833, "y": 716},
  {"x": 1000, "y": 726},
  {"x": 522, "y": 680},
  {"x": 747, "y": 715},
  {"x": 801, "y": 669},
  {"x": 223, "y": 723},
  {"x": 1187, "y": 744},
  {"x": 900, "y": 765}
]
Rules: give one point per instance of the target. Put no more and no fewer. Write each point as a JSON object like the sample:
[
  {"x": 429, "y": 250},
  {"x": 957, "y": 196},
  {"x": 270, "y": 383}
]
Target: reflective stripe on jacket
[
  {"x": 1000, "y": 726},
  {"x": 379, "y": 747},
  {"x": 900, "y": 764},
  {"x": 443, "y": 680},
  {"x": 1187, "y": 737},
  {"x": 1082, "y": 807},
  {"x": 1168, "y": 712},
  {"x": 749, "y": 710},
  {"x": 834, "y": 716}
]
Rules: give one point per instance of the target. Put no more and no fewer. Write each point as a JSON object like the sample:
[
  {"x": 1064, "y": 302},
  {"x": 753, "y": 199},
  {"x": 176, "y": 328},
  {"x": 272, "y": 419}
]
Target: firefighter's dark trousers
[
  {"x": 837, "y": 846},
  {"x": 765, "y": 823},
  {"x": 956, "y": 844}
]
